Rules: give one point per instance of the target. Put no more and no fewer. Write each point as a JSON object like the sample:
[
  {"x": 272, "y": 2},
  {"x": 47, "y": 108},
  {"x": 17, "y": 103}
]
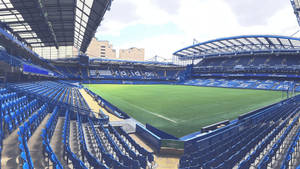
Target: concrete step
[
  {"x": 56, "y": 142},
  {"x": 10, "y": 151},
  {"x": 35, "y": 145},
  {"x": 74, "y": 138}
]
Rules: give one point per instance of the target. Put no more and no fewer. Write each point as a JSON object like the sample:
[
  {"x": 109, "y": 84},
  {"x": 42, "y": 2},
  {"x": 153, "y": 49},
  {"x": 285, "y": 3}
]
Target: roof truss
[
  {"x": 240, "y": 44},
  {"x": 54, "y": 22}
]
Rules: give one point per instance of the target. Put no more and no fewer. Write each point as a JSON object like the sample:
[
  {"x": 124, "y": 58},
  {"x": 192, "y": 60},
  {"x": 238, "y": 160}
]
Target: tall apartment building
[
  {"x": 101, "y": 49},
  {"x": 136, "y": 54}
]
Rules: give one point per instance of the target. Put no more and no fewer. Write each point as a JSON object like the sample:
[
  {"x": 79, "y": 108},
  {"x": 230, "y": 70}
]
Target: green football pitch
[{"x": 181, "y": 110}]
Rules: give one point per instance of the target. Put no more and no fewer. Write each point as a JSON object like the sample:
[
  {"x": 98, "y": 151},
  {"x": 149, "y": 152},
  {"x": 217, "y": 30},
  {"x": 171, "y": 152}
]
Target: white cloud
[
  {"x": 142, "y": 12},
  {"x": 203, "y": 20},
  {"x": 252, "y": 12}
]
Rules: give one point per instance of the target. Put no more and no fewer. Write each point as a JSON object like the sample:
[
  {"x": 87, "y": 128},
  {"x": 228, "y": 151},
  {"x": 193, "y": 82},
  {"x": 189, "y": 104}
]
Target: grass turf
[{"x": 181, "y": 110}]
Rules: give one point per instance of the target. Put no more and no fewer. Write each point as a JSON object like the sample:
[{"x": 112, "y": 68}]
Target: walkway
[
  {"x": 35, "y": 145},
  {"x": 95, "y": 106},
  {"x": 162, "y": 162},
  {"x": 56, "y": 141},
  {"x": 10, "y": 152}
]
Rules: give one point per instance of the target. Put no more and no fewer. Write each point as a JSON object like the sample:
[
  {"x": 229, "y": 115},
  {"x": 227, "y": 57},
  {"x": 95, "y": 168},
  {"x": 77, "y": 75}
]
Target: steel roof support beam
[
  {"x": 291, "y": 43},
  {"x": 106, "y": 6},
  {"x": 45, "y": 16},
  {"x": 261, "y": 43},
  {"x": 271, "y": 43},
  {"x": 201, "y": 48},
  {"x": 212, "y": 48},
  {"x": 228, "y": 47},
  {"x": 280, "y": 43},
  {"x": 192, "y": 50},
  {"x": 296, "y": 11},
  {"x": 29, "y": 31},
  {"x": 234, "y": 46},
  {"x": 243, "y": 44},
  {"x": 8, "y": 28},
  {"x": 220, "y": 47},
  {"x": 47, "y": 42},
  {"x": 254, "y": 45}
]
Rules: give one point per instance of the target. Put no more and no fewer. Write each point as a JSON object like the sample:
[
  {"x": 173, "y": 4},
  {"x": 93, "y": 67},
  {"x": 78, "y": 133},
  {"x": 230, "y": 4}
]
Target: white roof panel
[{"x": 242, "y": 44}]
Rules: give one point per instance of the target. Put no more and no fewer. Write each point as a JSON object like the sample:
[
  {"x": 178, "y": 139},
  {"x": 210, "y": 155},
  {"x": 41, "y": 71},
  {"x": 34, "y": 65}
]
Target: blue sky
[{"x": 164, "y": 26}]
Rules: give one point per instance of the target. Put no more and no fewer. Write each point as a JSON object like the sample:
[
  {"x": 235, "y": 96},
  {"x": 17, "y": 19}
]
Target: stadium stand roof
[
  {"x": 296, "y": 7},
  {"x": 96, "y": 61},
  {"x": 116, "y": 61},
  {"x": 236, "y": 45},
  {"x": 40, "y": 23}
]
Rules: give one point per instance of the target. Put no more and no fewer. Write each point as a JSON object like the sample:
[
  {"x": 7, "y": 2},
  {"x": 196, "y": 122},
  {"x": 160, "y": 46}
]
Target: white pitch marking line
[{"x": 147, "y": 111}]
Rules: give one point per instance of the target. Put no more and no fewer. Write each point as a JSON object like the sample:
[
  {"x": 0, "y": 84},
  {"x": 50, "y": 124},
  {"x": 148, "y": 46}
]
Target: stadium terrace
[{"x": 225, "y": 103}]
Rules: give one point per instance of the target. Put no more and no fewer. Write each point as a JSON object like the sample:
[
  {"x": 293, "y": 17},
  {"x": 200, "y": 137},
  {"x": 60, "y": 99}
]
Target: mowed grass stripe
[{"x": 180, "y": 110}]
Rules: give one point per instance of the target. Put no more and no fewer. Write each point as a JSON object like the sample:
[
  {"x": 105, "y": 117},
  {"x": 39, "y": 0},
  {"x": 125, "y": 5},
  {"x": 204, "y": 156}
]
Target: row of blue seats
[
  {"x": 25, "y": 133},
  {"x": 268, "y": 158},
  {"x": 93, "y": 144},
  {"x": 272, "y": 133},
  {"x": 92, "y": 160},
  {"x": 241, "y": 83},
  {"x": 7, "y": 96},
  {"x": 14, "y": 118},
  {"x": 47, "y": 134},
  {"x": 38, "y": 89},
  {"x": 25, "y": 158},
  {"x": 236, "y": 144},
  {"x": 246, "y": 121},
  {"x": 235, "y": 153},
  {"x": 140, "y": 154},
  {"x": 57, "y": 95},
  {"x": 80, "y": 102},
  {"x": 213, "y": 154},
  {"x": 212, "y": 141},
  {"x": 66, "y": 96},
  {"x": 132, "y": 74},
  {"x": 67, "y": 153},
  {"x": 11, "y": 105},
  {"x": 54, "y": 91},
  {"x": 3, "y": 90},
  {"x": 132, "y": 161},
  {"x": 293, "y": 151},
  {"x": 136, "y": 146},
  {"x": 106, "y": 153}
]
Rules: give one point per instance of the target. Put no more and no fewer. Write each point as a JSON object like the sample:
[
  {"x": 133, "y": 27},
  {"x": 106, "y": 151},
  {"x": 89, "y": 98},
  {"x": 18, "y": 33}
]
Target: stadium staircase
[
  {"x": 236, "y": 62},
  {"x": 56, "y": 141},
  {"x": 267, "y": 60},
  {"x": 251, "y": 61},
  {"x": 35, "y": 144}
]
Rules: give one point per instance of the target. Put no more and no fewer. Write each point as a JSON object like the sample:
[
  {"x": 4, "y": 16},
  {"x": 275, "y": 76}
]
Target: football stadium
[{"x": 228, "y": 102}]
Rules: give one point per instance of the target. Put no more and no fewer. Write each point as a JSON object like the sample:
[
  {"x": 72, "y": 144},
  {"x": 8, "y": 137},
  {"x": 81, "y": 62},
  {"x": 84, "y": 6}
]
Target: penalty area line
[{"x": 150, "y": 112}]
